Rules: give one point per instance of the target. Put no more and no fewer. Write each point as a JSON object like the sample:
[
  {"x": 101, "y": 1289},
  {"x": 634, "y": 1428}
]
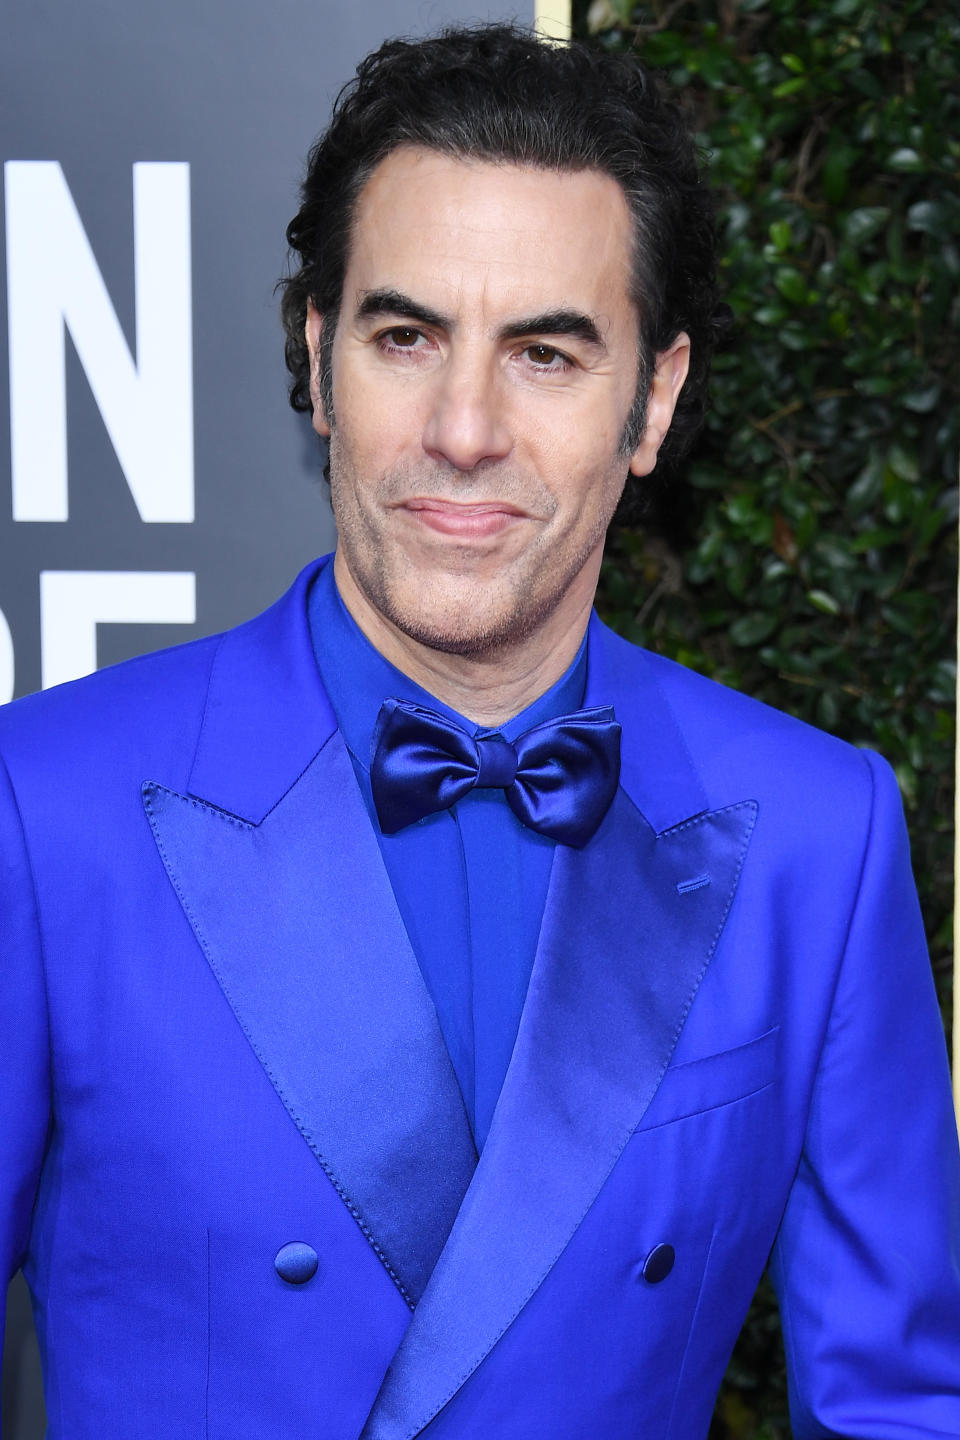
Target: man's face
[{"x": 484, "y": 363}]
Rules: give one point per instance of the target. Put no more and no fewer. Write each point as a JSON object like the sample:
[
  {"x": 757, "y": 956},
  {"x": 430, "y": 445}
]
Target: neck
[{"x": 489, "y": 688}]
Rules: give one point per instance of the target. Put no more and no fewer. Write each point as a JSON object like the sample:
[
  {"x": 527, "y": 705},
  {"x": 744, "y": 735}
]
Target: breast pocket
[{"x": 714, "y": 1081}]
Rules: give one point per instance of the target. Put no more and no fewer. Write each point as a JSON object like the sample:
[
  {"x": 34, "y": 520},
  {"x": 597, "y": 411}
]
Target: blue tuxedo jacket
[{"x": 216, "y": 1041}]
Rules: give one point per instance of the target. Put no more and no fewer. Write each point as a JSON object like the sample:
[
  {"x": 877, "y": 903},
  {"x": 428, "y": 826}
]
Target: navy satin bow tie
[{"x": 559, "y": 778}]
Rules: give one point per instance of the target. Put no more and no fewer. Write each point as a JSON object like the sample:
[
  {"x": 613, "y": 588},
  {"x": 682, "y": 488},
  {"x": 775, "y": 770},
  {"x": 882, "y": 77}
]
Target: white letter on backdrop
[
  {"x": 53, "y": 281},
  {"x": 73, "y": 602},
  {"x": 6, "y": 661}
]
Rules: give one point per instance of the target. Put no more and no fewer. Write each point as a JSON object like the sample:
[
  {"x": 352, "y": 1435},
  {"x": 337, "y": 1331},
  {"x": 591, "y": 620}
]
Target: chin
[
  {"x": 455, "y": 635},
  {"x": 463, "y": 625}
]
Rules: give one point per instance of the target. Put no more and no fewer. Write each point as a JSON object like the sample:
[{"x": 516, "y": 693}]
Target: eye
[
  {"x": 546, "y": 357},
  {"x": 403, "y": 336},
  {"x": 405, "y": 344}
]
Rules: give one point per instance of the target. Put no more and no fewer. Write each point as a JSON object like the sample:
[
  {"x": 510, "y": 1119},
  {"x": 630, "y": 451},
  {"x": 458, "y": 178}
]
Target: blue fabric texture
[
  {"x": 471, "y": 880},
  {"x": 206, "y": 1019}
]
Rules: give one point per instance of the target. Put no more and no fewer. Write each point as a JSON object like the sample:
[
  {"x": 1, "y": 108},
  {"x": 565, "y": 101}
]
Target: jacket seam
[
  {"x": 206, "y": 702},
  {"x": 693, "y": 1325}
]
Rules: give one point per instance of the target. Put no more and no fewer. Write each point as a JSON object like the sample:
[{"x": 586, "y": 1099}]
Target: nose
[{"x": 466, "y": 423}]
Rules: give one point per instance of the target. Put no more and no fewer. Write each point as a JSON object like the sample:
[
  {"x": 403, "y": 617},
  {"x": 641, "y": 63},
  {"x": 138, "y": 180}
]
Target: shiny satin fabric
[{"x": 559, "y": 778}]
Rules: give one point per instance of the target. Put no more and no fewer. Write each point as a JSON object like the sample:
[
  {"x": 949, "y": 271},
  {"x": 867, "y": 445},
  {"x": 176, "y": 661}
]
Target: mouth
[{"x": 477, "y": 520}]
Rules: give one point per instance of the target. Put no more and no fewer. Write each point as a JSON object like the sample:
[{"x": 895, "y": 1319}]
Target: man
[{"x": 425, "y": 1012}]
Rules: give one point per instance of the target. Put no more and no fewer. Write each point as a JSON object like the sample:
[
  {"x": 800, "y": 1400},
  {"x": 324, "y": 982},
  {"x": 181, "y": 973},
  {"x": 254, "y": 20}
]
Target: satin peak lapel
[
  {"x": 298, "y": 922},
  {"x": 631, "y": 923}
]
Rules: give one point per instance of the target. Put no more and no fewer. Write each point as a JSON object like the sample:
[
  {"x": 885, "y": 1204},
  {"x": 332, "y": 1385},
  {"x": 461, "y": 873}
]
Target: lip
[{"x": 477, "y": 520}]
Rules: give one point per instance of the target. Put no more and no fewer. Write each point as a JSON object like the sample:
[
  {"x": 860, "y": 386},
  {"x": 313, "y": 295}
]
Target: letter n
[{"x": 53, "y": 283}]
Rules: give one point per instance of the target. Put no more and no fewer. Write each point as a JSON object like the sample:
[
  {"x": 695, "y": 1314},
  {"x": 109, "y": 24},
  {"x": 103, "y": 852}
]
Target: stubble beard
[{"x": 481, "y": 619}]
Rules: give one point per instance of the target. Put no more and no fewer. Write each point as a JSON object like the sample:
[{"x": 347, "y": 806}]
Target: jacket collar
[{"x": 267, "y": 715}]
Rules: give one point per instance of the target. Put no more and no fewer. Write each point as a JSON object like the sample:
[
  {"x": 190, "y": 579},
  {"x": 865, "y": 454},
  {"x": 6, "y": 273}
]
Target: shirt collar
[{"x": 358, "y": 678}]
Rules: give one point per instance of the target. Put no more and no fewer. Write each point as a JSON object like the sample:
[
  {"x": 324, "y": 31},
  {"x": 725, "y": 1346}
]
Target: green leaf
[
  {"x": 753, "y": 628},
  {"x": 797, "y": 337},
  {"x": 770, "y": 315},
  {"x": 903, "y": 463},
  {"x": 839, "y": 324},
  {"x": 742, "y": 508},
  {"x": 867, "y": 84},
  {"x": 781, "y": 234},
  {"x": 875, "y": 385},
  {"x": 835, "y": 175},
  {"x": 820, "y": 600},
  {"x": 906, "y": 161},
  {"x": 942, "y": 686},
  {"x": 789, "y": 87},
  {"x": 867, "y": 488},
  {"x": 877, "y": 539},
  {"x": 791, "y": 284},
  {"x": 932, "y": 217},
  {"x": 923, "y": 399},
  {"x": 828, "y": 710},
  {"x": 862, "y": 224},
  {"x": 601, "y": 16}
]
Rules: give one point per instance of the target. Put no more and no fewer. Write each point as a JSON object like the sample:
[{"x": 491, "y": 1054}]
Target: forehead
[{"x": 500, "y": 234}]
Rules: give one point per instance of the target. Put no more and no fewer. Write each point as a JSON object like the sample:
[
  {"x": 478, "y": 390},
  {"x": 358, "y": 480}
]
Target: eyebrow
[
  {"x": 394, "y": 302},
  {"x": 556, "y": 322},
  {"x": 550, "y": 322}
]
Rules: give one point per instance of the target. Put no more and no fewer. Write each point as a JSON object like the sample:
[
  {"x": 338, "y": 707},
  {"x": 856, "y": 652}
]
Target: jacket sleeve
[
  {"x": 867, "y": 1261},
  {"x": 24, "y": 1049}
]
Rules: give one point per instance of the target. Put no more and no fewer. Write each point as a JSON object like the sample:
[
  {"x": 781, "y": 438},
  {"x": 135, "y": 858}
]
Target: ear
[
  {"x": 312, "y": 333},
  {"x": 668, "y": 377}
]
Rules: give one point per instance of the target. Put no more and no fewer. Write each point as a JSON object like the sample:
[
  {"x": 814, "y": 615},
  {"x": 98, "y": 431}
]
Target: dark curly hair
[{"x": 495, "y": 92}]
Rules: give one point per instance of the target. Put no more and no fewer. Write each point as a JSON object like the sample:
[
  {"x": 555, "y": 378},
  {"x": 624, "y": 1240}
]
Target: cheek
[
  {"x": 591, "y": 499},
  {"x": 377, "y": 431},
  {"x": 573, "y": 440},
  {"x": 360, "y": 451}
]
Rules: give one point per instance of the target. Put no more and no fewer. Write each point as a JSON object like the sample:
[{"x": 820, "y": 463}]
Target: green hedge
[{"x": 809, "y": 557}]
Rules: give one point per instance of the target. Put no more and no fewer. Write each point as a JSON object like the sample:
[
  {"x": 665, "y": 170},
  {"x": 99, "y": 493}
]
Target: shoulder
[
  {"x": 742, "y": 748},
  {"x": 250, "y": 697},
  {"x": 153, "y": 706},
  {"x": 141, "y": 712}
]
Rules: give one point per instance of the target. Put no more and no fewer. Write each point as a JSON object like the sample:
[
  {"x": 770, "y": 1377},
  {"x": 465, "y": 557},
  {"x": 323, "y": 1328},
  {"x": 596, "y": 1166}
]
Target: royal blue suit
[{"x": 216, "y": 1041}]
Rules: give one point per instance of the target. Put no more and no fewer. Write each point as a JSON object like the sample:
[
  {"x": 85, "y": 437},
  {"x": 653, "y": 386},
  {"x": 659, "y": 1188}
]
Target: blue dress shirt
[{"x": 470, "y": 882}]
